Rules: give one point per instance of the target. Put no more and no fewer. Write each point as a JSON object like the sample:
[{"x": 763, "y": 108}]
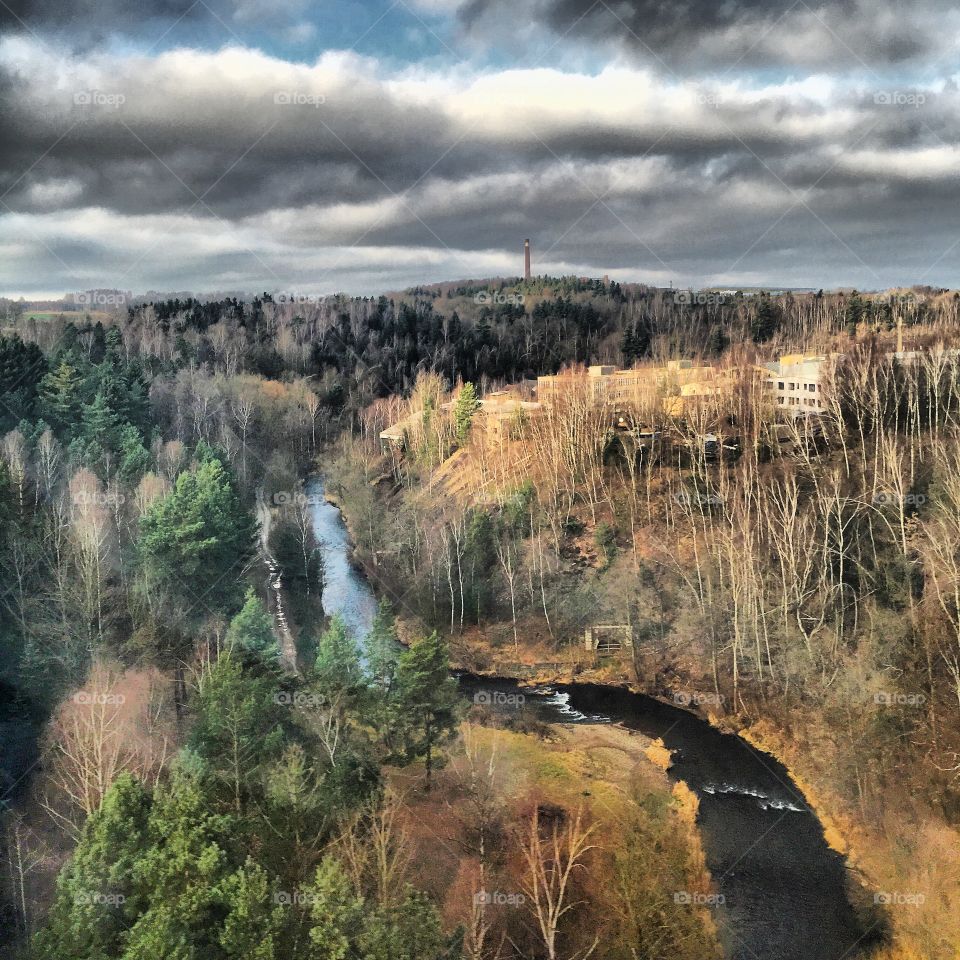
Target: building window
[{"x": 780, "y": 385}]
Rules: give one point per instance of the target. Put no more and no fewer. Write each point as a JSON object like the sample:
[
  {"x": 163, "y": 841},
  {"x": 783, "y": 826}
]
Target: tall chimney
[{"x": 526, "y": 259}]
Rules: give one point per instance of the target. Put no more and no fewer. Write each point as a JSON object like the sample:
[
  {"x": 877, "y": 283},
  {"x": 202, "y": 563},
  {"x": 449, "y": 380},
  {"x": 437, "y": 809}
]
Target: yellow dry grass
[{"x": 659, "y": 755}]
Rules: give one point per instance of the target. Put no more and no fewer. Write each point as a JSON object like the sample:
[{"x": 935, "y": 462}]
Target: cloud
[
  {"x": 89, "y": 25},
  {"x": 734, "y": 34},
  {"x": 45, "y": 194},
  {"x": 82, "y": 22},
  {"x": 233, "y": 168}
]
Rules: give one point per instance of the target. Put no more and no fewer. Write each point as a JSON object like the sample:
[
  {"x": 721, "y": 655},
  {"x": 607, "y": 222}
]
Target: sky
[{"x": 213, "y": 145}]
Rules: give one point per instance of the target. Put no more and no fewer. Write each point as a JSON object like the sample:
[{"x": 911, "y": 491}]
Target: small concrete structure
[
  {"x": 608, "y": 638},
  {"x": 394, "y": 438}
]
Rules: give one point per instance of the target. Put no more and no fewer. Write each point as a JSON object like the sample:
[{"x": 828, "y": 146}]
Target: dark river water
[{"x": 784, "y": 889}]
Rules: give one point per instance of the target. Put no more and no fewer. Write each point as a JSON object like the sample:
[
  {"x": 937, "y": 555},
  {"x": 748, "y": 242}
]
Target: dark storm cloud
[
  {"x": 234, "y": 169},
  {"x": 81, "y": 18},
  {"x": 174, "y": 141},
  {"x": 88, "y": 24},
  {"x": 140, "y": 143},
  {"x": 732, "y": 34}
]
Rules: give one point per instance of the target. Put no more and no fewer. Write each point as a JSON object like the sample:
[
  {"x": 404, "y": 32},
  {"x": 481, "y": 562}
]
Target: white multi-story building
[{"x": 797, "y": 382}]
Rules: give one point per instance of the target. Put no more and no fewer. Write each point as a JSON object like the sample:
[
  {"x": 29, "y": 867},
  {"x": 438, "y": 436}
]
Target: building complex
[{"x": 796, "y": 384}]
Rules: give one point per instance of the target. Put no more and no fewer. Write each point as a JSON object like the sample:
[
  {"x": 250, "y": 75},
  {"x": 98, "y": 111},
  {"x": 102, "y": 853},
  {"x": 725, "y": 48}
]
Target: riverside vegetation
[
  {"x": 191, "y": 794},
  {"x": 808, "y": 597},
  {"x": 199, "y": 800}
]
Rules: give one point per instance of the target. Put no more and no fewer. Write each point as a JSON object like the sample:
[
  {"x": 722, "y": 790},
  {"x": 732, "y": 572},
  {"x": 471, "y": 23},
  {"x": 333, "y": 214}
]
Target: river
[
  {"x": 784, "y": 889},
  {"x": 345, "y": 591}
]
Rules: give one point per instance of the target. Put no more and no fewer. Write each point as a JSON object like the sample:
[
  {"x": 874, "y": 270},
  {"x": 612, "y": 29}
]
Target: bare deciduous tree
[{"x": 551, "y": 858}]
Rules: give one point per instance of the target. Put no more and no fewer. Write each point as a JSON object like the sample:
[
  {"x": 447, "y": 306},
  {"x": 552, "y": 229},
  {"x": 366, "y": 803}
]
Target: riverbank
[
  {"x": 614, "y": 774},
  {"x": 605, "y": 772},
  {"x": 902, "y": 873},
  {"x": 275, "y": 586},
  {"x": 904, "y": 868},
  {"x": 493, "y": 653}
]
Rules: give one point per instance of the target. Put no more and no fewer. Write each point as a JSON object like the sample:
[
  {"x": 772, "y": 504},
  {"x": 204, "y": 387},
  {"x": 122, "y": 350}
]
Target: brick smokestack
[{"x": 526, "y": 259}]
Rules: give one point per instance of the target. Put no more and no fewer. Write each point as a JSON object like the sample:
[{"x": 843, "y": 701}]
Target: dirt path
[{"x": 288, "y": 647}]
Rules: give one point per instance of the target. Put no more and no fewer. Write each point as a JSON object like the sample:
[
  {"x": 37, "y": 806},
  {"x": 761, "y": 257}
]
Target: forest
[
  {"x": 802, "y": 582},
  {"x": 182, "y": 780},
  {"x": 204, "y": 789}
]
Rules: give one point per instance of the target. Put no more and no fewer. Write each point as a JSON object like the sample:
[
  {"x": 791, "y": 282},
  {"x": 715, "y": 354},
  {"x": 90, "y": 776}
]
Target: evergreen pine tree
[
  {"x": 252, "y": 628},
  {"x": 60, "y": 398},
  {"x": 338, "y": 671},
  {"x": 134, "y": 456},
  {"x": 382, "y": 648},
  {"x": 200, "y": 533},
  {"x": 425, "y": 705},
  {"x": 101, "y": 428},
  {"x": 22, "y": 366},
  {"x": 97, "y": 899},
  {"x": 464, "y": 408},
  {"x": 98, "y": 343}
]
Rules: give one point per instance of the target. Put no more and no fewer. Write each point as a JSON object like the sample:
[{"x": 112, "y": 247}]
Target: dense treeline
[
  {"x": 210, "y": 789},
  {"x": 133, "y": 581},
  {"x": 233, "y": 853},
  {"x": 220, "y": 783},
  {"x": 359, "y": 349},
  {"x": 106, "y": 480}
]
